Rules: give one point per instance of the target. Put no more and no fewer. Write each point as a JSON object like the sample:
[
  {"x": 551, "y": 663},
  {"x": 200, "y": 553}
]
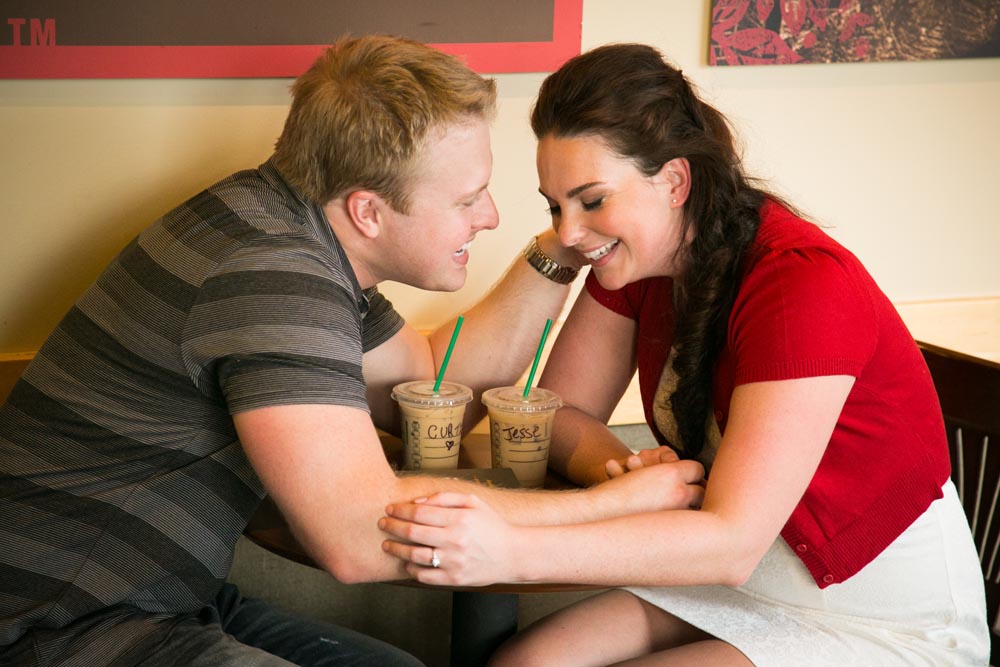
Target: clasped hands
[
  {"x": 475, "y": 546},
  {"x": 641, "y": 459}
]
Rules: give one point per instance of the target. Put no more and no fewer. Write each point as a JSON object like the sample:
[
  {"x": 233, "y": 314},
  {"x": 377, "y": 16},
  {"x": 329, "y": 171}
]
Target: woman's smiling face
[{"x": 626, "y": 224}]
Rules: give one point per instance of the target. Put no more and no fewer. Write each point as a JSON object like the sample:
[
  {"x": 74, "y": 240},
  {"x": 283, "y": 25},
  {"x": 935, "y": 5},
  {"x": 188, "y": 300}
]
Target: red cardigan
[{"x": 807, "y": 307}]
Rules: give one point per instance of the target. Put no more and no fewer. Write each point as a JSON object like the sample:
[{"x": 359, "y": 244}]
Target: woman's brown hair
[{"x": 646, "y": 111}]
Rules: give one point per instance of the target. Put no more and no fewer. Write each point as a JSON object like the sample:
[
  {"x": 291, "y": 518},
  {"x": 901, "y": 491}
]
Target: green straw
[
  {"x": 538, "y": 356},
  {"x": 447, "y": 355}
]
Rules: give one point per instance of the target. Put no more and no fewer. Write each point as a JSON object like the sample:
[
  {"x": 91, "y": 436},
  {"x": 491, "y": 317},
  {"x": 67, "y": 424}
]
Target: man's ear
[
  {"x": 677, "y": 173},
  {"x": 364, "y": 209}
]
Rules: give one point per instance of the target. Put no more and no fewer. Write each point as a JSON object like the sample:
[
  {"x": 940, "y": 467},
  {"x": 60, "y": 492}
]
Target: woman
[{"x": 830, "y": 532}]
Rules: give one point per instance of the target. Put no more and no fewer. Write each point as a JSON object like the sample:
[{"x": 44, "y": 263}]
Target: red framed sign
[{"x": 60, "y": 39}]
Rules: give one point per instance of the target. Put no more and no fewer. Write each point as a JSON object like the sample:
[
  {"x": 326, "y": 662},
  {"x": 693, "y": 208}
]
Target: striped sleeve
[
  {"x": 382, "y": 322},
  {"x": 276, "y": 328}
]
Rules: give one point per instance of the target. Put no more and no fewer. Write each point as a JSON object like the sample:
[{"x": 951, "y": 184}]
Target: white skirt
[{"x": 921, "y": 602}]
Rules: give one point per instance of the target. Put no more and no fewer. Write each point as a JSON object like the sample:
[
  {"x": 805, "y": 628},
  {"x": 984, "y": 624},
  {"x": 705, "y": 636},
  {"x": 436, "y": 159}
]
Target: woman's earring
[{"x": 673, "y": 201}]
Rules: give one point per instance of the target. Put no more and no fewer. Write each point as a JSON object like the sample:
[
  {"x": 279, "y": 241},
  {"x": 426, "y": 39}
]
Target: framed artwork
[
  {"x": 262, "y": 38},
  {"x": 771, "y": 32}
]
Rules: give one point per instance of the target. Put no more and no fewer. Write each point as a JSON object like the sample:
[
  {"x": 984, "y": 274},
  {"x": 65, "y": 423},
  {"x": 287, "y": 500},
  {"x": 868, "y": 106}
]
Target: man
[{"x": 239, "y": 347}]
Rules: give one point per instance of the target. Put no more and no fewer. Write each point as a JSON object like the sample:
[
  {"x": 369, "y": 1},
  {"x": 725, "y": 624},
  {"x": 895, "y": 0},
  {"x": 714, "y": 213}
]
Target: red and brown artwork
[{"x": 772, "y": 32}]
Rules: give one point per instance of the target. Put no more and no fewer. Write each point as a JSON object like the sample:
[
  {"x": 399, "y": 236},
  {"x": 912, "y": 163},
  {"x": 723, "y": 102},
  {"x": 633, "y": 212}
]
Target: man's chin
[
  {"x": 452, "y": 285},
  {"x": 450, "y": 288}
]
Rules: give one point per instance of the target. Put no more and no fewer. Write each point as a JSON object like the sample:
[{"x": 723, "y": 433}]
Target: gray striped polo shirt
[{"x": 122, "y": 484}]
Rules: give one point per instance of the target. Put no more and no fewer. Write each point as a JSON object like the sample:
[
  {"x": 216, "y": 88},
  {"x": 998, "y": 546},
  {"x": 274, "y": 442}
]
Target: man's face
[{"x": 449, "y": 205}]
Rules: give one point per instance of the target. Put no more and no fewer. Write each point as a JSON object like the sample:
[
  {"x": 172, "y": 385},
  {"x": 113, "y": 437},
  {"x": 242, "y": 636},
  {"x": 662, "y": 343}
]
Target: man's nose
[{"x": 488, "y": 217}]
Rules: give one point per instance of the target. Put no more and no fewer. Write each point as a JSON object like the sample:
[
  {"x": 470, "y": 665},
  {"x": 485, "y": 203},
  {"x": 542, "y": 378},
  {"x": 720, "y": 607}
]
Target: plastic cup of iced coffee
[
  {"x": 520, "y": 431},
  {"x": 431, "y": 422}
]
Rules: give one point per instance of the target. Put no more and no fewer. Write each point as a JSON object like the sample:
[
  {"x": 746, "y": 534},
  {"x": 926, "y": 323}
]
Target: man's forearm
[
  {"x": 500, "y": 333},
  {"x": 581, "y": 445},
  {"x": 528, "y": 507}
]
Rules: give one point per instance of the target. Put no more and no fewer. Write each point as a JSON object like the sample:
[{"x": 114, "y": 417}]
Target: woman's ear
[
  {"x": 364, "y": 209},
  {"x": 677, "y": 174}
]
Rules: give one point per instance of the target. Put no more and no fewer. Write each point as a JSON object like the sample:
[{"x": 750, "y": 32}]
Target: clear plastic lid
[
  {"x": 421, "y": 392},
  {"x": 513, "y": 399}
]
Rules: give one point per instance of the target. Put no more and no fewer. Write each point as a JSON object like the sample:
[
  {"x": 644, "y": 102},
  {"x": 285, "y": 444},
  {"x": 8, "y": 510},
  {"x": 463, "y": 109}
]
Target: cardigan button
[
  {"x": 802, "y": 548},
  {"x": 827, "y": 578}
]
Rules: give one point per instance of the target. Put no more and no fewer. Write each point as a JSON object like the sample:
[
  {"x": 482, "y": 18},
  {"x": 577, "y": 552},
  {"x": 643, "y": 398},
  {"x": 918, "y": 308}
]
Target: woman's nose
[{"x": 568, "y": 230}]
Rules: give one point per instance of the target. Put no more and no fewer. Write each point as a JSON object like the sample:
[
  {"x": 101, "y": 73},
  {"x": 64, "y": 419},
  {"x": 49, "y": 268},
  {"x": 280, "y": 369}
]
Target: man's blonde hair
[{"x": 360, "y": 115}]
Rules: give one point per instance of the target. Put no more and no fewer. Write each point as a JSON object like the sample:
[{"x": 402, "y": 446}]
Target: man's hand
[{"x": 644, "y": 458}]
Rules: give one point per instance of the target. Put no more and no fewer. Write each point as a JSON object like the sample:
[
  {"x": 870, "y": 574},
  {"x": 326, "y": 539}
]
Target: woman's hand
[
  {"x": 670, "y": 485},
  {"x": 643, "y": 458},
  {"x": 470, "y": 541}
]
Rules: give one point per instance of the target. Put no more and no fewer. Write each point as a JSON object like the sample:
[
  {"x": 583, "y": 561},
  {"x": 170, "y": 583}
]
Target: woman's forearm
[{"x": 637, "y": 550}]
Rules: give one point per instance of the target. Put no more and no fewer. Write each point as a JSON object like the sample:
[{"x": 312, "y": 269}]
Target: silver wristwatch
[{"x": 547, "y": 266}]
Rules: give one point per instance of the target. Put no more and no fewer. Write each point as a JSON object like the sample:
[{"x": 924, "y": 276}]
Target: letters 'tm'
[{"x": 39, "y": 33}]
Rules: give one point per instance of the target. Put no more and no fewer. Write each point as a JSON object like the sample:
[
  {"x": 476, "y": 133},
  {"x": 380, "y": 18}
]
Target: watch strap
[{"x": 547, "y": 266}]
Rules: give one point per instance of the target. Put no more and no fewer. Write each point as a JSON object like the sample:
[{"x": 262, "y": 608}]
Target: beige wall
[{"x": 899, "y": 159}]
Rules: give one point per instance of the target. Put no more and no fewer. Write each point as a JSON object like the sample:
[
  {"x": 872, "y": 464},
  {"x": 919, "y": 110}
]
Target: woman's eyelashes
[{"x": 588, "y": 206}]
